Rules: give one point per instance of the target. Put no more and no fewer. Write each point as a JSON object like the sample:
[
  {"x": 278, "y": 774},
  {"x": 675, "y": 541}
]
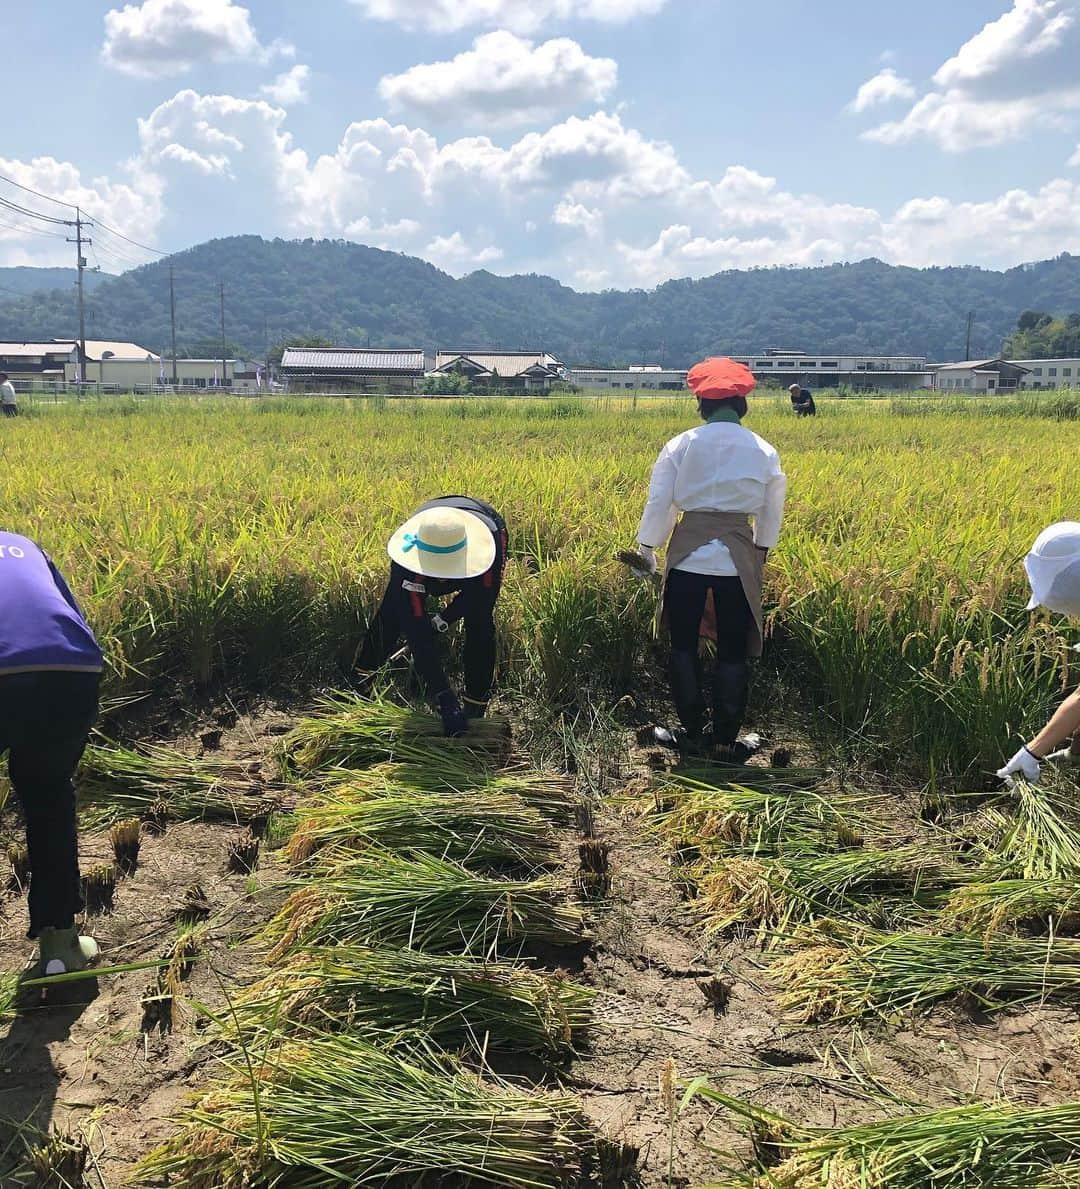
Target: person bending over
[
  {"x": 1053, "y": 569},
  {"x": 729, "y": 488},
  {"x": 452, "y": 546},
  {"x": 802, "y": 401},
  {"x": 50, "y": 669}
]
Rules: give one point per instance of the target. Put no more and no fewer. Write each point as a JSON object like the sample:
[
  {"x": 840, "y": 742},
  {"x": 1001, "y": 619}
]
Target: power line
[
  {"x": 37, "y": 193},
  {"x": 32, "y": 230},
  {"x": 24, "y": 210},
  {"x": 134, "y": 242}
]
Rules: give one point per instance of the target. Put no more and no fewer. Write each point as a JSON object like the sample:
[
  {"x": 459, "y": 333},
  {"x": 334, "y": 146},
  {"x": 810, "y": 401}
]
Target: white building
[
  {"x": 110, "y": 366},
  {"x": 1050, "y": 373},
  {"x": 872, "y": 373},
  {"x": 635, "y": 377},
  {"x": 516, "y": 371},
  {"x": 979, "y": 375}
]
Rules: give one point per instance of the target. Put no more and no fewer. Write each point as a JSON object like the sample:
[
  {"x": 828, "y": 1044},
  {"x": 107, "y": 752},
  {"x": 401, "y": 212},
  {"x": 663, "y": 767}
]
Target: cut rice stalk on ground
[
  {"x": 455, "y": 1001},
  {"x": 423, "y": 903},
  {"x": 1038, "y": 906},
  {"x": 724, "y": 819},
  {"x": 981, "y": 1146},
  {"x": 856, "y": 972},
  {"x": 870, "y": 885},
  {"x": 349, "y": 731},
  {"x": 336, "y": 1109},
  {"x": 116, "y": 782},
  {"x": 479, "y": 830},
  {"x": 432, "y": 770},
  {"x": 1036, "y": 831}
]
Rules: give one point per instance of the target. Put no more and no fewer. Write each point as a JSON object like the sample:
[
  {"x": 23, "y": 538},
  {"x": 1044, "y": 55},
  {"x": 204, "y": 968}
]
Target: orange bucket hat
[{"x": 720, "y": 378}]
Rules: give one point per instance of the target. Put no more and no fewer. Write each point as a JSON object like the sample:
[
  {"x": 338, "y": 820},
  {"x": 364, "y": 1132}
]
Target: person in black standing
[
  {"x": 452, "y": 546},
  {"x": 802, "y": 401}
]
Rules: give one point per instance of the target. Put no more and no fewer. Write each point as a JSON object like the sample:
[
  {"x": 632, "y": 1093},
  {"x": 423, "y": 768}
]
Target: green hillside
[{"x": 354, "y": 294}]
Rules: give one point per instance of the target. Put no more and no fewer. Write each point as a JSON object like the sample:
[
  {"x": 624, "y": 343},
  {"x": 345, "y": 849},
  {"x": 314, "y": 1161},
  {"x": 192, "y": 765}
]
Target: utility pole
[
  {"x": 266, "y": 341},
  {"x": 970, "y": 325},
  {"x": 172, "y": 321},
  {"x": 224, "y": 366},
  {"x": 80, "y": 264}
]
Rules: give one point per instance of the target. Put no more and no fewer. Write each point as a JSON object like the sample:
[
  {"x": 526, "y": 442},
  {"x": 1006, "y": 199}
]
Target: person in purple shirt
[{"x": 50, "y": 669}]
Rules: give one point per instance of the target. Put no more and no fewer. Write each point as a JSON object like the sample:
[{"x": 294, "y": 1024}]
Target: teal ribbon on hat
[{"x": 412, "y": 541}]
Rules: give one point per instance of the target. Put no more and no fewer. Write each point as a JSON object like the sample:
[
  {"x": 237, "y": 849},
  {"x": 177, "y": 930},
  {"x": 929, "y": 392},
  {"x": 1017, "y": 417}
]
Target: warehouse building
[
  {"x": 52, "y": 365},
  {"x": 869, "y": 373},
  {"x": 506, "y": 371},
  {"x": 1049, "y": 373},
  {"x": 634, "y": 378},
  {"x": 352, "y": 369},
  {"x": 979, "y": 375}
]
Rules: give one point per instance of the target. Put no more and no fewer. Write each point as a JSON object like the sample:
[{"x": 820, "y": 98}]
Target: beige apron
[{"x": 732, "y": 529}]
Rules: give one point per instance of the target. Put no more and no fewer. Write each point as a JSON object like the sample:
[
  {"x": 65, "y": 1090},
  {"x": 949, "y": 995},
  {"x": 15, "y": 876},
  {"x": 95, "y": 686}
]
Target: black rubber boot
[
  {"x": 686, "y": 693},
  {"x": 731, "y": 689}
]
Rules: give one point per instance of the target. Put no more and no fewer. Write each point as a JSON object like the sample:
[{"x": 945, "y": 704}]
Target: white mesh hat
[{"x": 1053, "y": 569}]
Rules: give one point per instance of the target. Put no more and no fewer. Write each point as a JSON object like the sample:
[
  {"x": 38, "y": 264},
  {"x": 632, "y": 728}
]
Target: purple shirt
[{"x": 41, "y": 626}]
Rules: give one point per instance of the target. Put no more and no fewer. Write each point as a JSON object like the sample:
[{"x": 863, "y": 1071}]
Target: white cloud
[
  {"x": 453, "y": 254},
  {"x": 576, "y": 215},
  {"x": 289, "y": 88},
  {"x": 503, "y": 80},
  {"x": 160, "y": 37},
  {"x": 1017, "y": 73},
  {"x": 521, "y": 16},
  {"x": 885, "y": 87},
  {"x": 134, "y": 207},
  {"x": 591, "y": 200},
  {"x": 1075, "y": 158}
]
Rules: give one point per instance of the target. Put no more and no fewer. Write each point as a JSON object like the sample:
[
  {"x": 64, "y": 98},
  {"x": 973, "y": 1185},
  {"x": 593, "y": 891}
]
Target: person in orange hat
[{"x": 716, "y": 499}]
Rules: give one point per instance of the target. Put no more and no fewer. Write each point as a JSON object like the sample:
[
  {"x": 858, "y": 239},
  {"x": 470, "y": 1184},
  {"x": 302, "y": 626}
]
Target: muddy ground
[{"x": 97, "y": 1064}]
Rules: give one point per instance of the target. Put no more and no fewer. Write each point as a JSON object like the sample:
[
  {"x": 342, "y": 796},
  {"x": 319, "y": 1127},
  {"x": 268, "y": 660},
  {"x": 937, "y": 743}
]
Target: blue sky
[{"x": 605, "y": 142}]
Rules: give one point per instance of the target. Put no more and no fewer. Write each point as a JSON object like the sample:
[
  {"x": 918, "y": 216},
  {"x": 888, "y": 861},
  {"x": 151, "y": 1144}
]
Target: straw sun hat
[{"x": 444, "y": 543}]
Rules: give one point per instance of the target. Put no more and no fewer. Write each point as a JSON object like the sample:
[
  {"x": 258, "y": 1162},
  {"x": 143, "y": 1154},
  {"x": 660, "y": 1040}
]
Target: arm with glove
[
  {"x": 421, "y": 631},
  {"x": 1059, "y": 733}
]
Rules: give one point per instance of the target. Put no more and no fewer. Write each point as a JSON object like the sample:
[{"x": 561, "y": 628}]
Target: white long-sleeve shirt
[
  {"x": 7, "y": 393},
  {"x": 718, "y": 466}
]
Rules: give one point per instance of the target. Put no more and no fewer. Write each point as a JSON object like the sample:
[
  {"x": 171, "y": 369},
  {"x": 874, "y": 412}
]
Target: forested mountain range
[
  {"x": 22, "y": 279},
  {"x": 355, "y": 295}
]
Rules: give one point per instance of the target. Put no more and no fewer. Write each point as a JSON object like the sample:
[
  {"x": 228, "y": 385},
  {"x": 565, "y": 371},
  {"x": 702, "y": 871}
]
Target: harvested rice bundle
[
  {"x": 477, "y": 830},
  {"x": 1020, "y": 905},
  {"x": 980, "y": 1146},
  {"x": 862, "y": 884},
  {"x": 350, "y": 731},
  {"x": 423, "y": 903},
  {"x": 1039, "y": 836},
  {"x": 339, "y": 1109},
  {"x": 857, "y": 972},
  {"x": 116, "y": 782},
  {"x": 742, "y": 818},
  {"x": 455, "y": 1001},
  {"x": 432, "y": 770}
]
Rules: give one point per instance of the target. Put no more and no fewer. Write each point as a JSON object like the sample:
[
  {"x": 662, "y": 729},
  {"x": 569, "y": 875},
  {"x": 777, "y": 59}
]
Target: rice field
[
  {"x": 243, "y": 543},
  {"x": 408, "y": 1005}
]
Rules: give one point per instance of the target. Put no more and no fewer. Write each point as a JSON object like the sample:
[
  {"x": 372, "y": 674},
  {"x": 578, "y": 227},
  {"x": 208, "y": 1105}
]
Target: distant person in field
[
  {"x": 50, "y": 669},
  {"x": 7, "y": 396},
  {"x": 721, "y": 489},
  {"x": 452, "y": 546},
  {"x": 1053, "y": 569},
  {"x": 802, "y": 401}
]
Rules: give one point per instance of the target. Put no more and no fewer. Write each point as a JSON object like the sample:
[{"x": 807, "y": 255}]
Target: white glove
[
  {"x": 648, "y": 556},
  {"x": 439, "y": 624},
  {"x": 1022, "y": 764},
  {"x": 1065, "y": 756}
]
